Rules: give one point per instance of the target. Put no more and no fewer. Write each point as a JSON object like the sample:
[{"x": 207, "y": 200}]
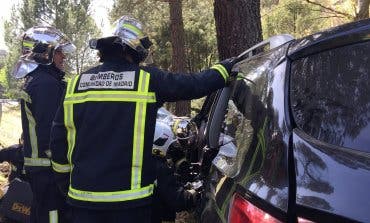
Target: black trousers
[
  {"x": 48, "y": 202},
  {"x": 131, "y": 215}
]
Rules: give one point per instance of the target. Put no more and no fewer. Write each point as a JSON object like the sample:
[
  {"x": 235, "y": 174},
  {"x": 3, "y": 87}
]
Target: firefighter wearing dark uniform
[
  {"x": 42, "y": 64},
  {"x": 102, "y": 135}
]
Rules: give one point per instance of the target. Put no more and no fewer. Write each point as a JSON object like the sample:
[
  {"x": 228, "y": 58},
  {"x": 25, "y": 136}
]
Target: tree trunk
[
  {"x": 363, "y": 9},
  {"x": 178, "y": 49},
  {"x": 238, "y": 26}
]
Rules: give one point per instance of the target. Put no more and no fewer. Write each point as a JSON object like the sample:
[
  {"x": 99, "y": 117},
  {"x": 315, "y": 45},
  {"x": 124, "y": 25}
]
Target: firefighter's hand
[
  {"x": 228, "y": 64},
  {"x": 194, "y": 197},
  {"x": 195, "y": 192}
]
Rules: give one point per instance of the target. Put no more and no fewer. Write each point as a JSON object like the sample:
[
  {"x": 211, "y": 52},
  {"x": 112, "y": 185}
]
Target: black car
[{"x": 300, "y": 118}]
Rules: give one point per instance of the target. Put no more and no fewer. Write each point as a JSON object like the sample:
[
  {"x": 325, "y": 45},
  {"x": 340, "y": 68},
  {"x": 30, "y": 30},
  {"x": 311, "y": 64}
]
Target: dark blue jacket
[
  {"x": 41, "y": 96},
  {"x": 103, "y": 133}
]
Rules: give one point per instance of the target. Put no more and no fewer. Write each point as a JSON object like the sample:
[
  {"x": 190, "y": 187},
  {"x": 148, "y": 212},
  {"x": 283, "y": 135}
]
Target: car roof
[{"x": 332, "y": 38}]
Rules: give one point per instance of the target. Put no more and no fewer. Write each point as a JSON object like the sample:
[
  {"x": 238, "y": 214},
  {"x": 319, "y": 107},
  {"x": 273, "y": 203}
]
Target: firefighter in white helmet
[
  {"x": 42, "y": 65},
  {"x": 109, "y": 112}
]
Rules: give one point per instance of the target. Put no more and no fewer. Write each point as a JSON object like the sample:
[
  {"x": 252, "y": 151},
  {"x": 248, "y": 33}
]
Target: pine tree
[
  {"x": 238, "y": 26},
  {"x": 70, "y": 16}
]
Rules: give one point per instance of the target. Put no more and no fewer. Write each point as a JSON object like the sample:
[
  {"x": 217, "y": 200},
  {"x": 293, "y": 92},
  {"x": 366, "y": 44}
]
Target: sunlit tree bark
[
  {"x": 238, "y": 26},
  {"x": 178, "y": 49}
]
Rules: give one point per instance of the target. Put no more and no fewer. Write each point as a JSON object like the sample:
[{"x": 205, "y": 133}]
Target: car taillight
[{"x": 242, "y": 211}]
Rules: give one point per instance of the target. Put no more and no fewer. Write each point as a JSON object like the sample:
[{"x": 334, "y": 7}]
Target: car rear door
[{"x": 330, "y": 105}]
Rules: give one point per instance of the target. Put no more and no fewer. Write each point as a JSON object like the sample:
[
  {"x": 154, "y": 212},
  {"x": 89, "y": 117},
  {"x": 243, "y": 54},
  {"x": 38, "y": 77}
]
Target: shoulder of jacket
[
  {"x": 91, "y": 70},
  {"x": 40, "y": 77},
  {"x": 152, "y": 70}
]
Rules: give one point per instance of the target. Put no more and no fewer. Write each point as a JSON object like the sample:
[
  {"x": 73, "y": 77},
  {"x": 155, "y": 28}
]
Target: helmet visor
[
  {"x": 23, "y": 67},
  {"x": 68, "y": 48},
  {"x": 40, "y": 43}
]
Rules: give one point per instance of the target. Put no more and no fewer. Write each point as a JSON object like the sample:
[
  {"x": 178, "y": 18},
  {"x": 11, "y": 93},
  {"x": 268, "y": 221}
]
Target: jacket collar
[
  {"x": 53, "y": 71},
  {"x": 117, "y": 64}
]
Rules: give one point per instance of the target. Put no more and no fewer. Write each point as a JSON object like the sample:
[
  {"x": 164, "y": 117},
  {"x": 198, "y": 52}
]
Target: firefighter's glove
[
  {"x": 228, "y": 64},
  {"x": 225, "y": 69},
  {"x": 195, "y": 193},
  {"x": 194, "y": 198}
]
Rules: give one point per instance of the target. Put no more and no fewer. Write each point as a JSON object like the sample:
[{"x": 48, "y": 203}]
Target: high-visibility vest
[{"x": 141, "y": 97}]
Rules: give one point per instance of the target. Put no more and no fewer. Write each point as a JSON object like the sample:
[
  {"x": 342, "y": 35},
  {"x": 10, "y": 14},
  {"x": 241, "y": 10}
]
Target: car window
[
  {"x": 330, "y": 96},
  {"x": 246, "y": 112}
]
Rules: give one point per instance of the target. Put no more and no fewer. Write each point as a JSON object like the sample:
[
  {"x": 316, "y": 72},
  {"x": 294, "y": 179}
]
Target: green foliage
[
  {"x": 290, "y": 16},
  {"x": 73, "y": 18},
  {"x": 200, "y": 39},
  {"x": 70, "y": 16},
  {"x": 12, "y": 30},
  {"x": 155, "y": 17},
  {"x": 81, "y": 27},
  {"x": 300, "y": 18},
  {"x": 3, "y": 80}
]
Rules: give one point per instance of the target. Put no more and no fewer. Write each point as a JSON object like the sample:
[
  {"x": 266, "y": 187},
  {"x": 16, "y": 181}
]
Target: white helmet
[
  {"x": 163, "y": 138},
  {"x": 127, "y": 31},
  {"x": 38, "y": 47}
]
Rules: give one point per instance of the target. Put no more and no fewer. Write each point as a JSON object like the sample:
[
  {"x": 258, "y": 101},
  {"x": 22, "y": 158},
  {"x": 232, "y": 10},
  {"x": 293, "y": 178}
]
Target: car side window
[
  {"x": 238, "y": 126},
  {"x": 330, "y": 96}
]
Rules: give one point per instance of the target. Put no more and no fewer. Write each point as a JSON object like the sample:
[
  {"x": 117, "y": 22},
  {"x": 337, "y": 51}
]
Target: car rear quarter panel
[{"x": 332, "y": 179}]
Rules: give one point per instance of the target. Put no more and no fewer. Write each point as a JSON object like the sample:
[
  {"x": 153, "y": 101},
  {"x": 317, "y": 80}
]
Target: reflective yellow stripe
[
  {"x": 146, "y": 82},
  {"x": 75, "y": 79},
  {"x": 137, "y": 147},
  {"x": 36, "y": 161},
  {"x": 133, "y": 29},
  {"x": 139, "y": 132},
  {"x": 110, "y": 96},
  {"x": 61, "y": 168},
  {"x": 71, "y": 85},
  {"x": 138, "y": 141},
  {"x": 68, "y": 90},
  {"x": 71, "y": 129},
  {"x": 53, "y": 216},
  {"x": 68, "y": 119},
  {"x": 32, "y": 132},
  {"x": 115, "y": 196},
  {"x": 221, "y": 69},
  {"x": 33, "y": 161},
  {"x": 28, "y": 44},
  {"x": 141, "y": 97}
]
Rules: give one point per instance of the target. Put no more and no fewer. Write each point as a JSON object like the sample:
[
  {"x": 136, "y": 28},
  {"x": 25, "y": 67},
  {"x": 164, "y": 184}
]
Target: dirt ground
[
  {"x": 4, "y": 174},
  {"x": 10, "y": 131},
  {"x": 10, "y": 124},
  {"x": 185, "y": 217}
]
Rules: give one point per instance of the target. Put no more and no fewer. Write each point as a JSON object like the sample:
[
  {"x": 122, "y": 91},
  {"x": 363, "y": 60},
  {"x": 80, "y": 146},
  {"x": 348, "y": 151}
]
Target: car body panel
[
  {"x": 284, "y": 171},
  {"x": 331, "y": 178},
  {"x": 263, "y": 172}
]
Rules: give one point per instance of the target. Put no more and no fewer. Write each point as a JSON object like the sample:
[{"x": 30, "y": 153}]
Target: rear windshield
[{"x": 330, "y": 96}]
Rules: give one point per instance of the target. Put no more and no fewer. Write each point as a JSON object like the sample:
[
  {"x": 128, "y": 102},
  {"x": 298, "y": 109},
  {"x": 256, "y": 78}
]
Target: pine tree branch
[
  {"x": 328, "y": 9},
  {"x": 326, "y": 17},
  {"x": 329, "y": 13}
]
